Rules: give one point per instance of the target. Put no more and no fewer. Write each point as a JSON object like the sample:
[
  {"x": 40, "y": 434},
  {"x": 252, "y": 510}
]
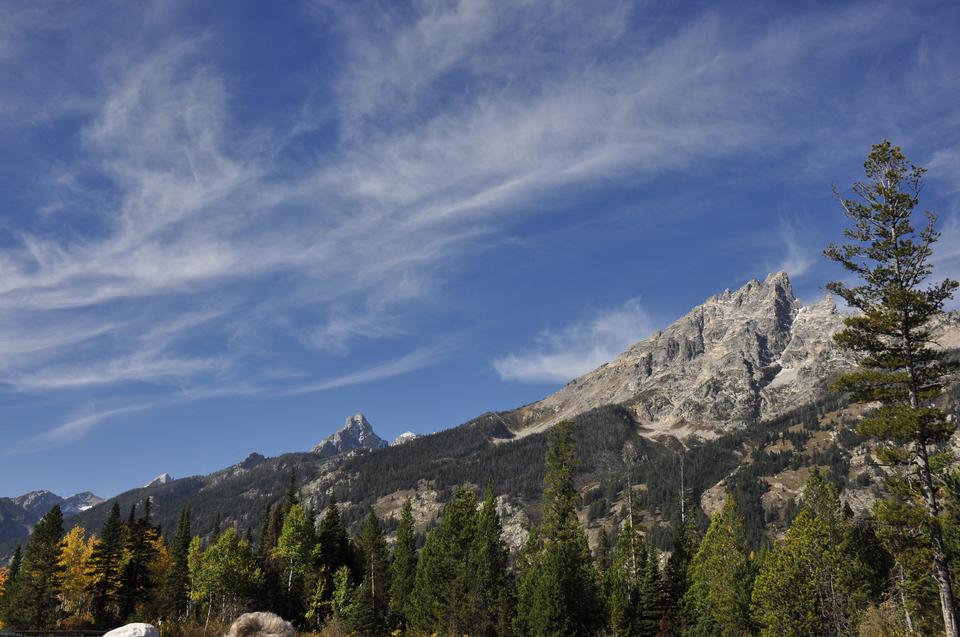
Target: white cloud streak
[
  {"x": 560, "y": 356},
  {"x": 799, "y": 256},
  {"x": 451, "y": 123},
  {"x": 75, "y": 428}
]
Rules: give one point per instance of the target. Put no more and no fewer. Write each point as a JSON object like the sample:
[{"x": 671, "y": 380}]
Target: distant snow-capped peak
[{"x": 406, "y": 436}]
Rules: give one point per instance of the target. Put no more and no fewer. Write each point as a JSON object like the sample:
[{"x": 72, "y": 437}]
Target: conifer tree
[
  {"x": 893, "y": 333},
  {"x": 403, "y": 566},
  {"x": 623, "y": 584},
  {"x": 176, "y": 590},
  {"x": 34, "y": 600},
  {"x": 15, "y": 563},
  {"x": 136, "y": 579},
  {"x": 558, "y": 592},
  {"x": 269, "y": 596},
  {"x": 106, "y": 563},
  {"x": 335, "y": 549},
  {"x": 654, "y": 602},
  {"x": 291, "y": 497},
  {"x": 75, "y": 565},
  {"x": 813, "y": 582},
  {"x": 678, "y": 564},
  {"x": 717, "y": 601},
  {"x": 602, "y": 553},
  {"x": 488, "y": 604},
  {"x": 441, "y": 583},
  {"x": 371, "y": 598}
]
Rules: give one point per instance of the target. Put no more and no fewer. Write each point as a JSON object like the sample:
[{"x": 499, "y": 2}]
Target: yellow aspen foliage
[
  {"x": 162, "y": 562},
  {"x": 75, "y": 596},
  {"x": 4, "y": 574}
]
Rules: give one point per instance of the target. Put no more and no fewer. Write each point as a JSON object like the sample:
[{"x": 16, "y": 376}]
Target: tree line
[{"x": 829, "y": 575}]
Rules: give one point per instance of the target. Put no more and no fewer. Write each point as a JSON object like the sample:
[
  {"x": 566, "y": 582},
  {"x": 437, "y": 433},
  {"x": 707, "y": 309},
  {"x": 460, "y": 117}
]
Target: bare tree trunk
[{"x": 940, "y": 566}]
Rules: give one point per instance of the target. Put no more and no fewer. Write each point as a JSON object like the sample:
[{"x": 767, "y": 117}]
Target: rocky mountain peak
[
  {"x": 356, "y": 433},
  {"x": 38, "y": 503},
  {"x": 252, "y": 460},
  {"x": 741, "y": 356},
  {"x": 161, "y": 479}
]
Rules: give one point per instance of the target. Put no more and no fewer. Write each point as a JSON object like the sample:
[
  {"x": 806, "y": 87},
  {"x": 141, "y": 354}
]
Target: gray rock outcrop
[
  {"x": 738, "y": 358},
  {"x": 357, "y": 433}
]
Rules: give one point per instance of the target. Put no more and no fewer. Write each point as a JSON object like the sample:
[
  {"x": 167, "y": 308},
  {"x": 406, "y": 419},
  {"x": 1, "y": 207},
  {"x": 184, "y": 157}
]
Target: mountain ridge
[{"x": 739, "y": 385}]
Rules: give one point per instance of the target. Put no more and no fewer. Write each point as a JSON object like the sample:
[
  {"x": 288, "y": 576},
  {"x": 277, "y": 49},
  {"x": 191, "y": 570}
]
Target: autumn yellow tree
[
  {"x": 4, "y": 574},
  {"x": 75, "y": 598}
]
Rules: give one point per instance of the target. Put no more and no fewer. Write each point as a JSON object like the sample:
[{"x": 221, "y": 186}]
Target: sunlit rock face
[{"x": 740, "y": 357}]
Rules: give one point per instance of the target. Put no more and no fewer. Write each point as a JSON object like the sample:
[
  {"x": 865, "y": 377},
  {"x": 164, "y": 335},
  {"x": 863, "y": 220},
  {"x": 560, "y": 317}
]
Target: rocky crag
[
  {"x": 356, "y": 433},
  {"x": 738, "y": 358}
]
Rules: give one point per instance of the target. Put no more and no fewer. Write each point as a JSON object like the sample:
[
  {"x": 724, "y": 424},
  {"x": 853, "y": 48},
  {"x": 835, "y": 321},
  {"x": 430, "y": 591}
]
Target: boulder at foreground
[{"x": 134, "y": 630}]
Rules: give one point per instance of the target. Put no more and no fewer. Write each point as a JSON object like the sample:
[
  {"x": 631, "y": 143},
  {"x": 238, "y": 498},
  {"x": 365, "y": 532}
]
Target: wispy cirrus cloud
[
  {"x": 76, "y": 427},
  {"x": 798, "y": 253},
  {"x": 561, "y": 355},
  {"x": 442, "y": 126}
]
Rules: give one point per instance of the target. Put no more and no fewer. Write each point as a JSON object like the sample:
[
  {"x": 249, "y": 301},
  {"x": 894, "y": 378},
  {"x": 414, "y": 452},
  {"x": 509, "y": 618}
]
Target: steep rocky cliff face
[{"x": 738, "y": 358}]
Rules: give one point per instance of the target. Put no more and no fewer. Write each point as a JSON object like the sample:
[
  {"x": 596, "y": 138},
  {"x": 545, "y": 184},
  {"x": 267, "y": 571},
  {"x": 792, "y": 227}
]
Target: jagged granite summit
[
  {"x": 738, "y": 358},
  {"x": 357, "y": 433}
]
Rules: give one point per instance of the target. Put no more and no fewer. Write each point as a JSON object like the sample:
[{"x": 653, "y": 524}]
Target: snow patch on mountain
[{"x": 405, "y": 437}]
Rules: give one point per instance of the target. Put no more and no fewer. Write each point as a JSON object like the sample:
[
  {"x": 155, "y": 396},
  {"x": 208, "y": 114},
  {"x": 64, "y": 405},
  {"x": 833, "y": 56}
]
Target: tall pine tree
[
  {"x": 136, "y": 579},
  {"x": 490, "y": 595},
  {"x": 442, "y": 579},
  {"x": 717, "y": 601},
  {"x": 105, "y": 570},
  {"x": 624, "y": 579},
  {"x": 893, "y": 332},
  {"x": 403, "y": 566},
  {"x": 176, "y": 590},
  {"x": 34, "y": 600},
  {"x": 558, "y": 592},
  {"x": 371, "y": 597}
]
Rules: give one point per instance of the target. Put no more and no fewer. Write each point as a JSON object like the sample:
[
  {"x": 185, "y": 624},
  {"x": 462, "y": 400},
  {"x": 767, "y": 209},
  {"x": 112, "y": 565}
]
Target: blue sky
[{"x": 226, "y": 226}]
